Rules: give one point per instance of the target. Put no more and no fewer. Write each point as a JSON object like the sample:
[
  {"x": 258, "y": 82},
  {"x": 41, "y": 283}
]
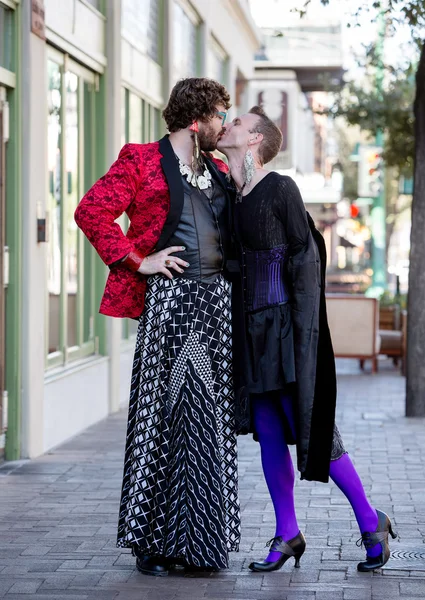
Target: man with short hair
[
  {"x": 179, "y": 500},
  {"x": 288, "y": 364}
]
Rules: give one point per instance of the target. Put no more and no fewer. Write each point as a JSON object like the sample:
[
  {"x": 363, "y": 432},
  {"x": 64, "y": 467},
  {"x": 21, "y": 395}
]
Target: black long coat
[{"x": 314, "y": 359}]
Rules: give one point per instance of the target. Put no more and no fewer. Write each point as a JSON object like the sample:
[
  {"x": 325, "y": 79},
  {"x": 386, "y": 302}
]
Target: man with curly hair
[{"x": 179, "y": 502}]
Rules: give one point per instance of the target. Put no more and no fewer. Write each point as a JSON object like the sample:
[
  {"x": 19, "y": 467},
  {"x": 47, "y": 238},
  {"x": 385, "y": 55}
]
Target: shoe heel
[
  {"x": 297, "y": 560},
  {"x": 392, "y": 534}
]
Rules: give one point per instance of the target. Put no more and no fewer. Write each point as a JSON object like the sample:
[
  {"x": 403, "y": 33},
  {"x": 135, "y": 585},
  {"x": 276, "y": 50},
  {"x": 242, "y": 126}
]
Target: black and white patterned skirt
[{"x": 180, "y": 494}]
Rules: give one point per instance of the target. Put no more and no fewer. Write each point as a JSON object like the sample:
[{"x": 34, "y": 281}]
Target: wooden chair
[
  {"x": 390, "y": 332},
  {"x": 353, "y": 321}
]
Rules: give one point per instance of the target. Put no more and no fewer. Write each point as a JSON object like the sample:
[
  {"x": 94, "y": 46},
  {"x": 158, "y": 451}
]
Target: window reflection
[
  {"x": 140, "y": 21},
  {"x": 71, "y": 201},
  {"x": 95, "y": 3},
  {"x": 86, "y": 256},
  {"x": 123, "y": 116},
  {"x": 140, "y": 123},
  {"x": 135, "y": 131},
  {"x": 217, "y": 61},
  {"x": 70, "y": 258},
  {"x": 216, "y": 67},
  {"x": 185, "y": 44},
  {"x": 54, "y": 203}
]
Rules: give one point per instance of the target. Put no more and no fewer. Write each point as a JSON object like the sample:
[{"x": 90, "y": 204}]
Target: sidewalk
[{"x": 58, "y": 515}]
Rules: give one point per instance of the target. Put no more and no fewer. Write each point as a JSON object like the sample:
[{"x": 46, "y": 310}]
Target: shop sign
[{"x": 38, "y": 18}]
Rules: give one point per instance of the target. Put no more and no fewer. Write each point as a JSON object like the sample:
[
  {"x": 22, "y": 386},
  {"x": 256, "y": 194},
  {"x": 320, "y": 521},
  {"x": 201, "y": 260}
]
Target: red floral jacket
[{"x": 144, "y": 182}]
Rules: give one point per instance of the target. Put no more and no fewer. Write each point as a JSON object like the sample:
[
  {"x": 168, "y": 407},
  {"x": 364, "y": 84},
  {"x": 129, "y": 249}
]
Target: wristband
[{"x": 133, "y": 260}]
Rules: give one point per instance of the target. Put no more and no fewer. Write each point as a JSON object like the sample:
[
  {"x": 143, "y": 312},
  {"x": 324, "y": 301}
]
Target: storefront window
[
  {"x": 70, "y": 258},
  {"x": 217, "y": 62},
  {"x": 6, "y": 16},
  {"x": 95, "y": 3},
  {"x": 135, "y": 120},
  {"x": 140, "y": 22},
  {"x": 185, "y": 42},
  {"x": 140, "y": 123},
  {"x": 124, "y": 110},
  {"x": 71, "y": 201},
  {"x": 54, "y": 260}
]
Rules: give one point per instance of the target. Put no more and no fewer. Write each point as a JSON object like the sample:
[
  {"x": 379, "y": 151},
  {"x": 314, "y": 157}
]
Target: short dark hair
[
  {"x": 192, "y": 99},
  {"x": 272, "y": 135}
]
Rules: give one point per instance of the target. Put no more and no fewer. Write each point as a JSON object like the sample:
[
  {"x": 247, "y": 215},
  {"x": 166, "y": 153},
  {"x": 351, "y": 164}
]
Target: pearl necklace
[{"x": 202, "y": 182}]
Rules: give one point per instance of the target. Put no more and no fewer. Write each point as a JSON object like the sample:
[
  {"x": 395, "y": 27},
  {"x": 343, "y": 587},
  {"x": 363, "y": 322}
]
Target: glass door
[{"x": 70, "y": 258}]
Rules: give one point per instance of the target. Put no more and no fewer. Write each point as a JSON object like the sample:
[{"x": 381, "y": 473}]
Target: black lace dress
[{"x": 271, "y": 225}]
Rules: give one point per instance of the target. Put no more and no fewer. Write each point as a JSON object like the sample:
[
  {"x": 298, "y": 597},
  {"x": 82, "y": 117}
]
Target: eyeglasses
[{"x": 223, "y": 116}]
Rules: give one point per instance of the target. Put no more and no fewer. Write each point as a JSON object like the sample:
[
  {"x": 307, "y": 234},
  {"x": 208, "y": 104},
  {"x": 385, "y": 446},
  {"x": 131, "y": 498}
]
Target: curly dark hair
[
  {"x": 192, "y": 99},
  {"x": 272, "y": 135}
]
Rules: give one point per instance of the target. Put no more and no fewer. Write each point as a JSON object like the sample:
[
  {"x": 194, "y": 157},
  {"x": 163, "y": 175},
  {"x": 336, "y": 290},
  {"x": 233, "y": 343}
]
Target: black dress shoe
[
  {"x": 380, "y": 536},
  {"x": 196, "y": 569},
  {"x": 157, "y": 566},
  {"x": 295, "y": 548}
]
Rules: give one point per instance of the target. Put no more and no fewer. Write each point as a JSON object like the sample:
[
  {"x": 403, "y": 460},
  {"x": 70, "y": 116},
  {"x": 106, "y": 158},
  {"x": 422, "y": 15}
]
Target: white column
[
  {"x": 34, "y": 193},
  {"x": 113, "y": 113}
]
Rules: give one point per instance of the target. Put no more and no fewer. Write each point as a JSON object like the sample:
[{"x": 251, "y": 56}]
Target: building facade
[
  {"x": 294, "y": 68},
  {"x": 78, "y": 79}
]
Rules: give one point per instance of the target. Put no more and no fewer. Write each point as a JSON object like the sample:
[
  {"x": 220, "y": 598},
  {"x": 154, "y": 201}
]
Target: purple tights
[{"x": 269, "y": 410}]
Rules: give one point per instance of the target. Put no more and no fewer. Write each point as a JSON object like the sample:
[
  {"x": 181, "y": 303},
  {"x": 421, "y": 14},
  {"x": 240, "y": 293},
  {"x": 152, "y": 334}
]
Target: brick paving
[{"x": 58, "y": 515}]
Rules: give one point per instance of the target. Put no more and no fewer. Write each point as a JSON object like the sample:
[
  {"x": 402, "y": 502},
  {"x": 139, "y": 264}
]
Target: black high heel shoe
[
  {"x": 295, "y": 548},
  {"x": 370, "y": 539}
]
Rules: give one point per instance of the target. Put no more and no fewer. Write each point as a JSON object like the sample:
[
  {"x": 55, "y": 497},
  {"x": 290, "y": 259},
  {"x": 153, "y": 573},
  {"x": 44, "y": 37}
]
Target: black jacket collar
[
  {"x": 171, "y": 170},
  {"x": 172, "y": 174}
]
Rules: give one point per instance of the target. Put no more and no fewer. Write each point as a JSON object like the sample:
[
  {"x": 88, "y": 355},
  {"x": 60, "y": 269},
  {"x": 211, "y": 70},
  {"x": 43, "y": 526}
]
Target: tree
[
  {"x": 412, "y": 12},
  {"x": 359, "y": 104},
  {"x": 415, "y": 387}
]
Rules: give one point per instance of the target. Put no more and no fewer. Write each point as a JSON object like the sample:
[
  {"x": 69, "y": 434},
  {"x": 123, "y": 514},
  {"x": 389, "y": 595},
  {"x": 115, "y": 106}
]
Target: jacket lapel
[
  {"x": 172, "y": 174},
  {"x": 218, "y": 176},
  {"x": 229, "y": 189}
]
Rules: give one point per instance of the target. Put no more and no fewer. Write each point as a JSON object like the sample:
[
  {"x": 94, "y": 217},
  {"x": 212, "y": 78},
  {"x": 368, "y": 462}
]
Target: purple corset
[{"x": 264, "y": 277}]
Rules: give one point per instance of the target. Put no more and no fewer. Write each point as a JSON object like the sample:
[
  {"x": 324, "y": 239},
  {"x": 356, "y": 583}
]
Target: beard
[{"x": 208, "y": 139}]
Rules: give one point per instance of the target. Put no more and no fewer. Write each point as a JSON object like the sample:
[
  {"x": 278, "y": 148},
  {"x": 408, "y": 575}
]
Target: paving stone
[
  {"x": 357, "y": 594},
  {"x": 57, "y": 582},
  {"x": 25, "y": 587},
  {"x": 58, "y": 515},
  {"x": 72, "y": 565},
  {"x": 114, "y": 577},
  {"x": 326, "y": 595},
  {"x": 47, "y": 597},
  {"x": 332, "y": 576},
  {"x": 412, "y": 588}
]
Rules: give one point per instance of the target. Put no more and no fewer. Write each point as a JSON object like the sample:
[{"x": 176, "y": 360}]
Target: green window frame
[{"x": 71, "y": 293}]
